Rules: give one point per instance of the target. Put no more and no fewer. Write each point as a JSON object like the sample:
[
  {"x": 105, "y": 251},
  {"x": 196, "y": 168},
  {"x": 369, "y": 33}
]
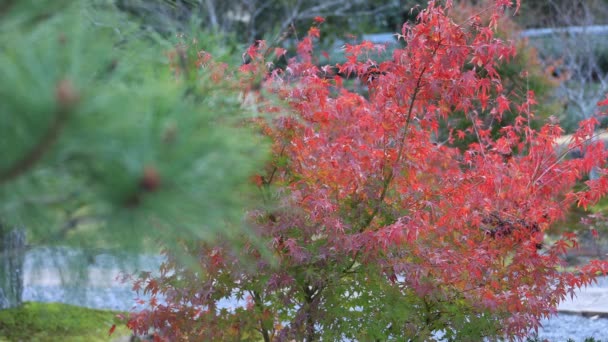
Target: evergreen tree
[{"x": 102, "y": 144}]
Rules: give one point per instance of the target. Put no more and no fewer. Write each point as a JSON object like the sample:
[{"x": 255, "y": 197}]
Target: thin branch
[
  {"x": 257, "y": 300},
  {"x": 389, "y": 179},
  {"x": 212, "y": 14},
  {"x": 561, "y": 157},
  {"x": 291, "y": 17},
  {"x": 318, "y": 9},
  {"x": 483, "y": 153},
  {"x": 39, "y": 150},
  {"x": 261, "y": 9}
]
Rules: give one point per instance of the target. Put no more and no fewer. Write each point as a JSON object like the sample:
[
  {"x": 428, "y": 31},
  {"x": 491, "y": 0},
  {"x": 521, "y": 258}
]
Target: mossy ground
[{"x": 58, "y": 322}]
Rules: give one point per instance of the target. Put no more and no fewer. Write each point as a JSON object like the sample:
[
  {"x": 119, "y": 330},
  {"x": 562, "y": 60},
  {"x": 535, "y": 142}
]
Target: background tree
[
  {"x": 580, "y": 55},
  {"x": 251, "y": 20},
  {"x": 369, "y": 219},
  {"x": 539, "y": 14}
]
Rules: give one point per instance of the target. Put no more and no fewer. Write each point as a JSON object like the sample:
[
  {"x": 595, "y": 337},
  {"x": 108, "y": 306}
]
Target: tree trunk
[{"x": 12, "y": 254}]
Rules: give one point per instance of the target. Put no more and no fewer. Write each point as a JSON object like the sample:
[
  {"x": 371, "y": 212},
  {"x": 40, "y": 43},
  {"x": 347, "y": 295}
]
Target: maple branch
[
  {"x": 349, "y": 269},
  {"x": 389, "y": 179},
  {"x": 528, "y": 102},
  {"x": 266, "y": 182},
  {"x": 560, "y": 158},
  {"x": 483, "y": 153},
  {"x": 257, "y": 300},
  {"x": 310, "y": 294},
  {"x": 274, "y": 170},
  {"x": 411, "y": 109}
]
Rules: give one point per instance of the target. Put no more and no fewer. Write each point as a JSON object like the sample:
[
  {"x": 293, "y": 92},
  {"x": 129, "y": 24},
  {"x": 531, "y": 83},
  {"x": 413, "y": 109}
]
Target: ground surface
[{"x": 42, "y": 322}]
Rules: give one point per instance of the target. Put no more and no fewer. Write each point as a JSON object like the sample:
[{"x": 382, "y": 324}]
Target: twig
[{"x": 38, "y": 151}]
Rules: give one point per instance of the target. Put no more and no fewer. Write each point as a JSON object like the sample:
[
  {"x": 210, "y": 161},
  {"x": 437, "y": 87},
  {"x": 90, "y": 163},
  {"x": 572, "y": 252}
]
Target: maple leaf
[
  {"x": 503, "y": 104},
  {"x": 279, "y": 52},
  {"x": 603, "y": 102},
  {"x": 460, "y": 134},
  {"x": 314, "y": 32},
  {"x": 520, "y": 120}
]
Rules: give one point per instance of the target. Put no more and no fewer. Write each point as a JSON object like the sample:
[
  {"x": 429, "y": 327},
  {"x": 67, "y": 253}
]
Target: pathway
[{"x": 588, "y": 302}]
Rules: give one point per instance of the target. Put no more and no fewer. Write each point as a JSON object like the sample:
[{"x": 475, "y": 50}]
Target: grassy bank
[{"x": 58, "y": 322}]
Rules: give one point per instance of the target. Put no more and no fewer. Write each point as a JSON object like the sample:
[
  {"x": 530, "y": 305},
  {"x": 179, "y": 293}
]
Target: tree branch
[
  {"x": 212, "y": 14},
  {"x": 39, "y": 150},
  {"x": 257, "y": 300},
  {"x": 390, "y": 176}
]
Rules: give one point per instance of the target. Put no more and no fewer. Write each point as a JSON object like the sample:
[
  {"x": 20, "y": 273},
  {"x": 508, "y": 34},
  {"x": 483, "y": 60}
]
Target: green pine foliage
[{"x": 102, "y": 143}]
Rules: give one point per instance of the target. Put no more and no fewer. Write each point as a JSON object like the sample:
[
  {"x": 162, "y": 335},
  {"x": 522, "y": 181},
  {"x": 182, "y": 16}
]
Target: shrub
[{"x": 376, "y": 231}]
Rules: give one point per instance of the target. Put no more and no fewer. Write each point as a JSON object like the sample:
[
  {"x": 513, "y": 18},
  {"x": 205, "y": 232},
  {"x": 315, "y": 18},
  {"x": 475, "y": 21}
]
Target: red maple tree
[{"x": 377, "y": 231}]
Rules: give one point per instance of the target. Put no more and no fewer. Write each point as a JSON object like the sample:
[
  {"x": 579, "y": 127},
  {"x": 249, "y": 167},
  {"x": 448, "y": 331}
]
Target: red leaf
[
  {"x": 111, "y": 331},
  {"x": 460, "y": 134},
  {"x": 314, "y": 32},
  {"x": 604, "y": 102},
  {"x": 321, "y": 117},
  {"x": 503, "y": 104},
  {"x": 279, "y": 52},
  {"x": 319, "y": 20}
]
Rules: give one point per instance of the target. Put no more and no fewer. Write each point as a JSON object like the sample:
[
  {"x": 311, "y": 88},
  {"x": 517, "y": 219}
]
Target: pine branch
[
  {"x": 36, "y": 153},
  {"x": 5, "y": 7}
]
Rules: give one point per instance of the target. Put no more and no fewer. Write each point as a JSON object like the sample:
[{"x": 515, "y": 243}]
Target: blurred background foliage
[
  {"x": 103, "y": 146},
  {"x": 250, "y": 20}
]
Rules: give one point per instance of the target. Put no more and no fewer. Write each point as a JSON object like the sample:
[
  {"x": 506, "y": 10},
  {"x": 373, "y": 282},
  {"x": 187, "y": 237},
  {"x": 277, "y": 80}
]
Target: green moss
[{"x": 58, "y": 322}]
